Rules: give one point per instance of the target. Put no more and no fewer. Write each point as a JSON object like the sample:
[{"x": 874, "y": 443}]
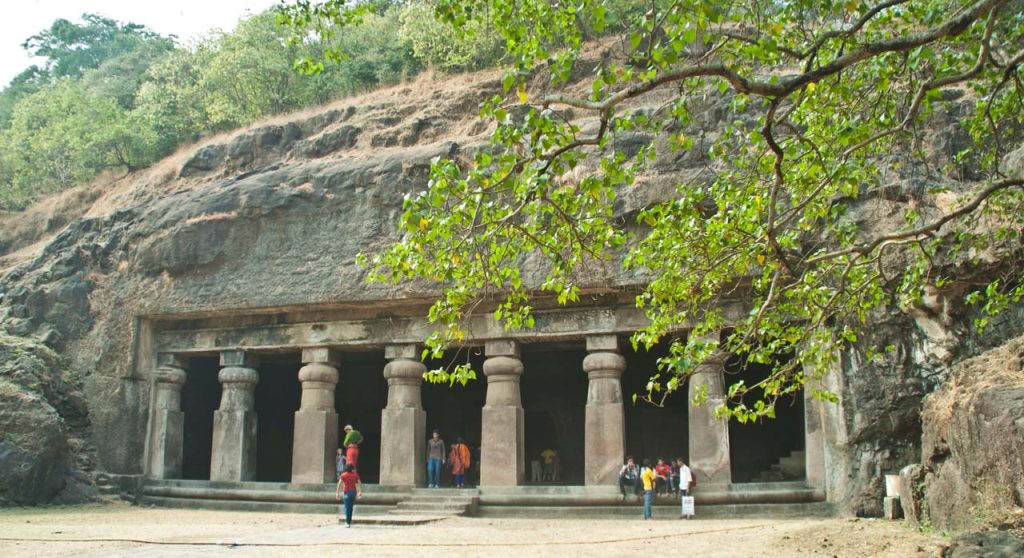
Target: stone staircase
[
  {"x": 789, "y": 467},
  {"x": 439, "y": 502}
]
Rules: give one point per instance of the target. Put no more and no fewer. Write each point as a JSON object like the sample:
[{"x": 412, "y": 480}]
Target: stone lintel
[
  {"x": 710, "y": 337},
  {"x": 608, "y": 342},
  {"x": 172, "y": 359},
  {"x": 323, "y": 355},
  {"x": 404, "y": 351},
  {"x": 501, "y": 347},
  {"x": 239, "y": 358}
]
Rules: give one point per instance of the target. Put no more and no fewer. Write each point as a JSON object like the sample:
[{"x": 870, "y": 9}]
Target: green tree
[
  {"x": 72, "y": 48},
  {"x": 829, "y": 103}
]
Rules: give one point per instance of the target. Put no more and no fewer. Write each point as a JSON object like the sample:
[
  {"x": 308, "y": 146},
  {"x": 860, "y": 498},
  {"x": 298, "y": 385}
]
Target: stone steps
[
  {"x": 792, "y": 466},
  {"x": 441, "y": 502}
]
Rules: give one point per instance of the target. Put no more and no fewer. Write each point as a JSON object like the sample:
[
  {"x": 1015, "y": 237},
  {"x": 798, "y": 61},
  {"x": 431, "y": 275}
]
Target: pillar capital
[
  {"x": 603, "y": 343},
  {"x": 321, "y": 355},
  {"x": 501, "y": 347},
  {"x": 318, "y": 372},
  {"x": 406, "y": 351},
  {"x": 239, "y": 358},
  {"x": 171, "y": 359},
  {"x": 604, "y": 365},
  {"x": 238, "y": 375},
  {"x": 172, "y": 375}
]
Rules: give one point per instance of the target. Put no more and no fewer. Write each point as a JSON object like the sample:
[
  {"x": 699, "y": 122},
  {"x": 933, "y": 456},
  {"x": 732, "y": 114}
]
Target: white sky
[{"x": 185, "y": 18}]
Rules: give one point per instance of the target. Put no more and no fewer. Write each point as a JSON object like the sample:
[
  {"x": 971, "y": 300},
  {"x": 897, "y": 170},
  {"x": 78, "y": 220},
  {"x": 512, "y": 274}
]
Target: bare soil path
[{"x": 121, "y": 530}]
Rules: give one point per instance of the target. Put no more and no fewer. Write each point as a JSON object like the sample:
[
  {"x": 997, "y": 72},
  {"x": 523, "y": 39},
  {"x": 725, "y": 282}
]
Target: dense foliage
[
  {"x": 829, "y": 104},
  {"x": 118, "y": 96}
]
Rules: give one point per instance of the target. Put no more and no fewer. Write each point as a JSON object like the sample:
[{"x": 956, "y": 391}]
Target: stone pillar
[
  {"x": 502, "y": 462},
  {"x": 605, "y": 431},
  {"x": 234, "y": 424},
  {"x": 814, "y": 440},
  {"x": 316, "y": 424},
  {"x": 168, "y": 420},
  {"x": 709, "y": 436},
  {"x": 403, "y": 421}
]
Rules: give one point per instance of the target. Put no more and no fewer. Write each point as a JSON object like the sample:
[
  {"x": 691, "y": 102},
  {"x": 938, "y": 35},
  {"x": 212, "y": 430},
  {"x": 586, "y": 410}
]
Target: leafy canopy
[{"x": 829, "y": 105}]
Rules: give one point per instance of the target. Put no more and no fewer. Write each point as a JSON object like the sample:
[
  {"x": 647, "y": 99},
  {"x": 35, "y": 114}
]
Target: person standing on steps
[
  {"x": 435, "y": 459},
  {"x": 459, "y": 459},
  {"x": 352, "y": 487},
  {"x": 339, "y": 463},
  {"x": 351, "y": 444}
]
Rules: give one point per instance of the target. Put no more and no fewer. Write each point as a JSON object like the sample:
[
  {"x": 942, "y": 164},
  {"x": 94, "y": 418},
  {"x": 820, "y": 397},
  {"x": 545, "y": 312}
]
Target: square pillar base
[
  {"x": 313, "y": 447},
  {"x": 605, "y": 443},
  {"x": 166, "y": 455},
  {"x": 502, "y": 462},
  {"x": 402, "y": 447},
  {"x": 234, "y": 446}
]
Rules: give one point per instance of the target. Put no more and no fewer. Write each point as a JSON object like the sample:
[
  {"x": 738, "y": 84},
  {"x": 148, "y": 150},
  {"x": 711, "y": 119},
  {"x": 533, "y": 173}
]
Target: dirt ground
[{"x": 121, "y": 530}]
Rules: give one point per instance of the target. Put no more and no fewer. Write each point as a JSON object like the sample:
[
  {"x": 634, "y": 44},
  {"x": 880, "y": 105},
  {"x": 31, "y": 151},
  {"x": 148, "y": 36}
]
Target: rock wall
[
  {"x": 273, "y": 217},
  {"x": 971, "y": 473}
]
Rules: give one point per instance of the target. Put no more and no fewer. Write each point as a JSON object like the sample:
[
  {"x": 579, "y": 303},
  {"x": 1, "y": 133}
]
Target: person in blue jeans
[
  {"x": 435, "y": 459},
  {"x": 649, "y": 478},
  {"x": 352, "y": 487}
]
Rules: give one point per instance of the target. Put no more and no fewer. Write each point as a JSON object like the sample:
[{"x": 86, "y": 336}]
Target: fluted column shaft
[
  {"x": 502, "y": 429},
  {"x": 403, "y": 421},
  {"x": 316, "y": 422},
  {"x": 605, "y": 430},
  {"x": 234, "y": 423},
  {"x": 169, "y": 422}
]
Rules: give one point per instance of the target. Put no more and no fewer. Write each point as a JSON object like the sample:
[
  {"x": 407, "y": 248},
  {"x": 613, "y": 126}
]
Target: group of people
[
  {"x": 458, "y": 457},
  {"x": 672, "y": 478},
  {"x": 546, "y": 466},
  {"x": 350, "y": 486}
]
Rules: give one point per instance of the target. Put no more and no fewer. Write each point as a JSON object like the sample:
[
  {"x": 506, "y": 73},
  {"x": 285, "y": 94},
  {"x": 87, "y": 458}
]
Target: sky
[{"x": 187, "y": 19}]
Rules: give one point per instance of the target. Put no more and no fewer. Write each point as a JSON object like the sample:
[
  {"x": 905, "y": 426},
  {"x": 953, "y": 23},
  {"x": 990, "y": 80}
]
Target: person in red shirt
[
  {"x": 352, "y": 487},
  {"x": 664, "y": 472}
]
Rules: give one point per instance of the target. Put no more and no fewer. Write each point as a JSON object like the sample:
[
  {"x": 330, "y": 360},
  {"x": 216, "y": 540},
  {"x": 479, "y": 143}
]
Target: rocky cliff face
[
  {"x": 273, "y": 217},
  {"x": 971, "y": 472}
]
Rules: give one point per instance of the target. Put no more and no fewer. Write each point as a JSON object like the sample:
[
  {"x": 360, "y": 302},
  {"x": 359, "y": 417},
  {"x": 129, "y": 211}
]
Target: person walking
[
  {"x": 649, "y": 478},
  {"x": 351, "y": 444},
  {"x": 435, "y": 459},
  {"x": 352, "y": 487},
  {"x": 459, "y": 460}
]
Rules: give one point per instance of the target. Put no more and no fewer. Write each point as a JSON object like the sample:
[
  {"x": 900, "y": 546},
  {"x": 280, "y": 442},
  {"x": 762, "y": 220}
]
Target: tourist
[
  {"x": 648, "y": 478},
  {"x": 629, "y": 475},
  {"x": 351, "y": 444},
  {"x": 673, "y": 479},
  {"x": 685, "y": 477},
  {"x": 536, "y": 470},
  {"x": 459, "y": 459},
  {"x": 663, "y": 473},
  {"x": 352, "y": 487},
  {"x": 435, "y": 459},
  {"x": 548, "y": 457},
  {"x": 339, "y": 463}
]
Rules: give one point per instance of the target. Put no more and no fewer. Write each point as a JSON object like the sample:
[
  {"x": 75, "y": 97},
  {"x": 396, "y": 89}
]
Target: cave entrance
[
  {"x": 361, "y": 393},
  {"x": 455, "y": 411},
  {"x": 769, "y": 449},
  {"x": 653, "y": 432},
  {"x": 554, "y": 393},
  {"x": 278, "y": 395},
  {"x": 200, "y": 397}
]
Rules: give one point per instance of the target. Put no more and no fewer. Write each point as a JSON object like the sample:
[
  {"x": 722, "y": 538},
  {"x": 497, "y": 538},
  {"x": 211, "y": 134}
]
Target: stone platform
[{"x": 777, "y": 499}]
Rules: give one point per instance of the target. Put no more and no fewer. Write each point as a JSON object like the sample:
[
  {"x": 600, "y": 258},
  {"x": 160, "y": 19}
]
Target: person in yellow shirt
[{"x": 648, "y": 477}]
